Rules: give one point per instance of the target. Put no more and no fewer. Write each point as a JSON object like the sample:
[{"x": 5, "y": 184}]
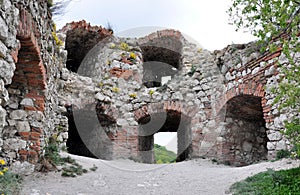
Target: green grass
[
  {"x": 162, "y": 155},
  {"x": 10, "y": 183},
  {"x": 284, "y": 182}
]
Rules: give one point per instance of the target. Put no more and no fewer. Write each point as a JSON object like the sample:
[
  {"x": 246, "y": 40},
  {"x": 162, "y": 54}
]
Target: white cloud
[{"x": 205, "y": 21}]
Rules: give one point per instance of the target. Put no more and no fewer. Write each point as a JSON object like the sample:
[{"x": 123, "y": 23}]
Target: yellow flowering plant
[
  {"x": 10, "y": 183},
  {"x": 124, "y": 46},
  {"x": 3, "y": 168},
  {"x": 132, "y": 55},
  {"x": 133, "y": 95},
  {"x": 115, "y": 90}
]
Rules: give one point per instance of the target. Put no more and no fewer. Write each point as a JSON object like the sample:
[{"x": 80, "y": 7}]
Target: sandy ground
[{"x": 199, "y": 177}]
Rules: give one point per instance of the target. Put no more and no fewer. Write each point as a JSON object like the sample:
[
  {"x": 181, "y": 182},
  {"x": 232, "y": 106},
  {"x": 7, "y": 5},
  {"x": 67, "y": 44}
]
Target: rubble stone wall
[
  {"x": 30, "y": 66},
  {"x": 219, "y": 103}
]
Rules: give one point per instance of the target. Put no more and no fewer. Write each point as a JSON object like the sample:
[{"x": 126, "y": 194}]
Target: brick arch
[
  {"x": 161, "y": 36},
  {"x": 30, "y": 71},
  {"x": 29, "y": 83},
  {"x": 166, "y": 106},
  {"x": 178, "y": 119},
  {"x": 162, "y": 52},
  {"x": 249, "y": 88},
  {"x": 164, "y": 46},
  {"x": 245, "y": 117}
]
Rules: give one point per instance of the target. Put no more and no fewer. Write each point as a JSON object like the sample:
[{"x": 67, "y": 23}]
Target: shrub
[
  {"x": 270, "y": 182},
  {"x": 132, "y": 55},
  {"x": 151, "y": 92},
  {"x": 10, "y": 183},
  {"x": 58, "y": 42},
  {"x": 282, "y": 154}
]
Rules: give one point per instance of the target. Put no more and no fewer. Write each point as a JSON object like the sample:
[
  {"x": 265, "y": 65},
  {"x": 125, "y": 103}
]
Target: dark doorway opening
[
  {"x": 245, "y": 131},
  {"x": 89, "y": 132},
  {"x": 160, "y": 65}
]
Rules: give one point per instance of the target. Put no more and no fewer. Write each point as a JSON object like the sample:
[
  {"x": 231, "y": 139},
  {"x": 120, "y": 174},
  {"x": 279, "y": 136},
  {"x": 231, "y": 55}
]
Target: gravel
[{"x": 118, "y": 177}]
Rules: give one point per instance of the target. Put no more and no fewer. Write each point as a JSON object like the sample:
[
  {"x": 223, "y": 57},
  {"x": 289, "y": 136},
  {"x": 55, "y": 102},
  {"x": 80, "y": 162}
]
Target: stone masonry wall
[
  {"x": 222, "y": 98},
  {"x": 30, "y": 64},
  {"x": 114, "y": 99}
]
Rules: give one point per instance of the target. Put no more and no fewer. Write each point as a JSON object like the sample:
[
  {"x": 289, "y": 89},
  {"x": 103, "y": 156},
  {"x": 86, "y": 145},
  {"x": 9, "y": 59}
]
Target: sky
[{"x": 206, "y": 21}]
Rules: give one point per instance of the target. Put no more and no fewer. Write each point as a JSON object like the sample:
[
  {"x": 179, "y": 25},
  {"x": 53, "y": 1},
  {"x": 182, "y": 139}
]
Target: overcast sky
[{"x": 205, "y": 21}]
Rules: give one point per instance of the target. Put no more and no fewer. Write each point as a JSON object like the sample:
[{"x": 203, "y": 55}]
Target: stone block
[
  {"x": 274, "y": 136},
  {"x": 2, "y": 117},
  {"x": 247, "y": 146},
  {"x": 18, "y": 114},
  {"x": 6, "y": 71},
  {"x": 3, "y": 50},
  {"x": 23, "y": 126},
  {"x": 14, "y": 144},
  {"x": 3, "y": 29},
  {"x": 271, "y": 146},
  {"x": 27, "y": 102}
]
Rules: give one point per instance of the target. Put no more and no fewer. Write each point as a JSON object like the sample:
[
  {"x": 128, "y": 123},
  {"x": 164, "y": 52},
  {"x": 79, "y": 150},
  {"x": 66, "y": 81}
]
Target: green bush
[
  {"x": 282, "y": 154},
  {"x": 162, "y": 155},
  {"x": 270, "y": 182}
]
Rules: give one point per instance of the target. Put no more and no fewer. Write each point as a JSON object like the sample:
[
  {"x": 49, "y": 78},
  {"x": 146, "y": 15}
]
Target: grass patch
[{"x": 284, "y": 182}]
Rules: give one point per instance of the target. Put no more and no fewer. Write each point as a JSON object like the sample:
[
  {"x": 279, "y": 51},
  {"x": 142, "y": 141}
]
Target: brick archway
[
  {"x": 244, "y": 135},
  {"x": 162, "y": 53},
  {"x": 164, "y": 117},
  {"x": 166, "y": 106},
  {"x": 28, "y": 87},
  {"x": 249, "y": 88}
]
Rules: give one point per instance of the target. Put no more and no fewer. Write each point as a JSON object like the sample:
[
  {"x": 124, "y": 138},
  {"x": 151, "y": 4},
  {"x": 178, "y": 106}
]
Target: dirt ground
[{"x": 199, "y": 176}]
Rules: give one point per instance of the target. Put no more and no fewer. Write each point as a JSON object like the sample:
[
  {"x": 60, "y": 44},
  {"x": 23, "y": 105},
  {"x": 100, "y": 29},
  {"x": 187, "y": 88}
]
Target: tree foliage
[
  {"x": 276, "y": 25},
  {"x": 162, "y": 155}
]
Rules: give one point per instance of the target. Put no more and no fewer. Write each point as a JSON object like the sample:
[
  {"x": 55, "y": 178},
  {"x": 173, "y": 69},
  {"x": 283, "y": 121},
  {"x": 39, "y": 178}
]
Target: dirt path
[{"x": 198, "y": 177}]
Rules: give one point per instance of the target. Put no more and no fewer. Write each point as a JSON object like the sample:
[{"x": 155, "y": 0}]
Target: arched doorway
[
  {"x": 162, "y": 58},
  {"x": 244, "y": 133},
  {"x": 169, "y": 121}
]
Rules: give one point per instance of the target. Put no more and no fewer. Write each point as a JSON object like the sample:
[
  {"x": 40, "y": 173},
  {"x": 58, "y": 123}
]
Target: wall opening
[
  {"x": 160, "y": 64},
  {"x": 81, "y": 37},
  {"x": 174, "y": 122},
  {"x": 245, "y": 131},
  {"x": 89, "y": 132},
  {"x": 165, "y": 150}
]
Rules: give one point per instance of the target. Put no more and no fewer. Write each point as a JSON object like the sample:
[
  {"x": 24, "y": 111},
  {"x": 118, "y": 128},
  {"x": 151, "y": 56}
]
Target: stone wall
[
  {"x": 222, "y": 99},
  {"x": 30, "y": 64},
  {"x": 109, "y": 99}
]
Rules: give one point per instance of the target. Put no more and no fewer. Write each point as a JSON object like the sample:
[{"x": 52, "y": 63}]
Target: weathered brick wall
[{"x": 248, "y": 73}]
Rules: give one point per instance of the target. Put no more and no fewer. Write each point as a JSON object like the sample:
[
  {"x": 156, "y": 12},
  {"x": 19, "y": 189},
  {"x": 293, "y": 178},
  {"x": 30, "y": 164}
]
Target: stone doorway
[
  {"x": 170, "y": 121},
  {"x": 89, "y": 132},
  {"x": 244, "y": 135}
]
